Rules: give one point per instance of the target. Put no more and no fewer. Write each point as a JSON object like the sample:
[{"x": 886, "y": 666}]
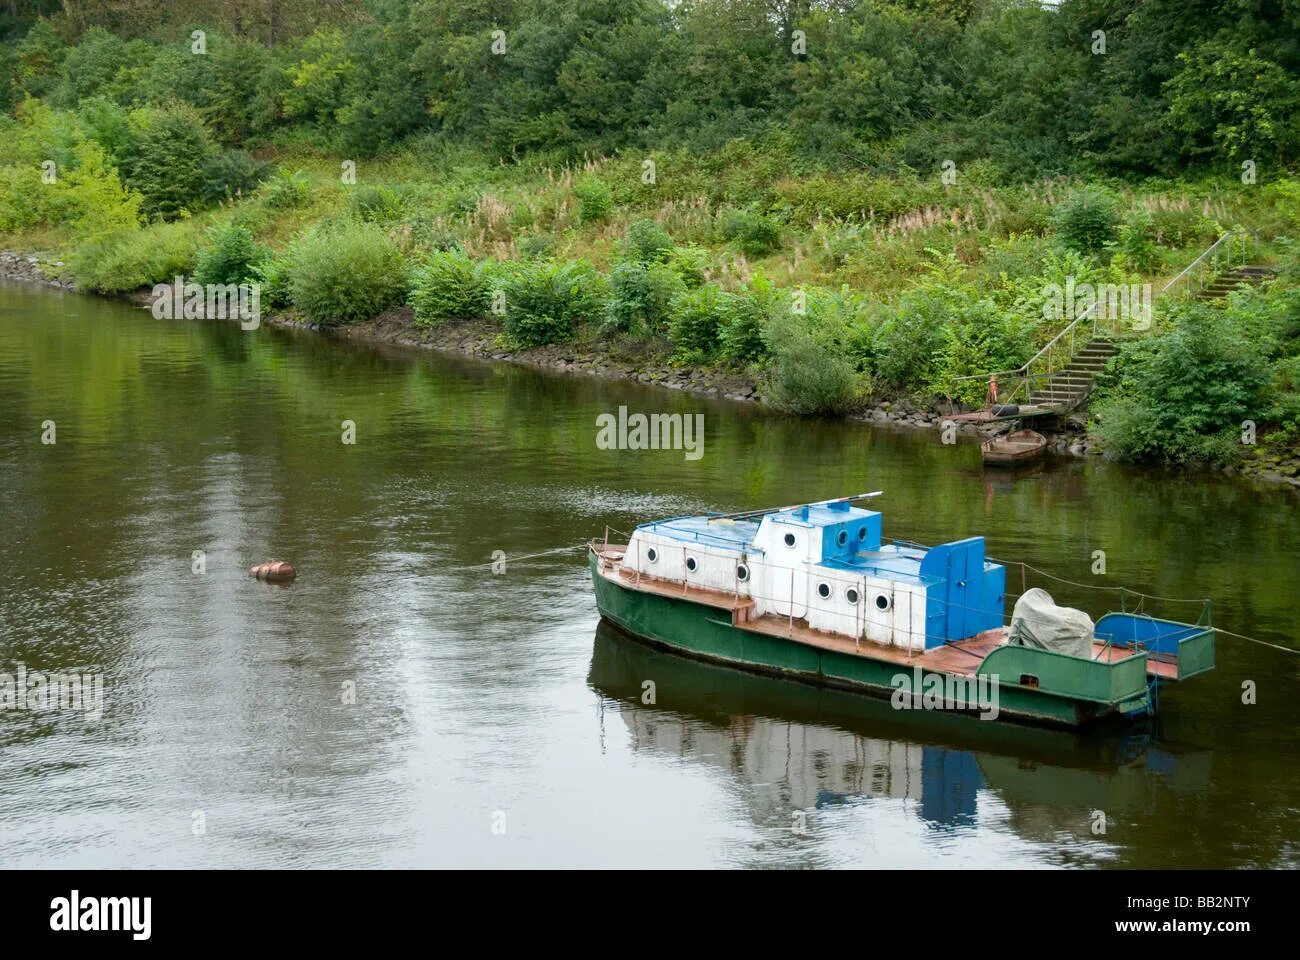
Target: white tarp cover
[{"x": 1038, "y": 622}]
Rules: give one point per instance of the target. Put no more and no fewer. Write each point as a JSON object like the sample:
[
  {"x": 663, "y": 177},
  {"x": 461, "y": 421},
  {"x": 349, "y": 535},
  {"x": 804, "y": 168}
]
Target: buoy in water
[{"x": 274, "y": 570}]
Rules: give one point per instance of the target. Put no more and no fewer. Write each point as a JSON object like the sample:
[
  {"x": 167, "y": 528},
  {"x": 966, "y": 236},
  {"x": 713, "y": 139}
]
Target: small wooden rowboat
[{"x": 1021, "y": 446}]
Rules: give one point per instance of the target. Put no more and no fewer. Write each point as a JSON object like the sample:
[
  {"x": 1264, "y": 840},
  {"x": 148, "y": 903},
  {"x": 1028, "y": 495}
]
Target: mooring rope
[{"x": 1025, "y": 566}]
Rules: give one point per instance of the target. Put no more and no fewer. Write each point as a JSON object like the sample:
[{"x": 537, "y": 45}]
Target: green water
[{"x": 494, "y": 722}]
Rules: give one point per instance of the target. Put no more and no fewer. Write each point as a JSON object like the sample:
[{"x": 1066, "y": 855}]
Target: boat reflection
[{"x": 804, "y": 747}]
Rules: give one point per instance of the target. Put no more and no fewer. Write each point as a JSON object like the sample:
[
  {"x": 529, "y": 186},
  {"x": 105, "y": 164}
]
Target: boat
[
  {"x": 812, "y": 592},
  {"x": 1013, "y": 449}
]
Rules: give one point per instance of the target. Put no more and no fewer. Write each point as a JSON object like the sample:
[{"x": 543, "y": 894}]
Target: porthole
[
  {"x": 742, "y": 572},
  {"x": 789, "y": 539},
  {"x": 843, "y": 538},
  {"x": 851, "y": 596},
  {"x": 824, "y": 590},
  {"x": 882, "y": 602},
  {"x": 652, "y": 554},
  {"x": 690, "y": 564},
  {"x": 862, "y": 533}
]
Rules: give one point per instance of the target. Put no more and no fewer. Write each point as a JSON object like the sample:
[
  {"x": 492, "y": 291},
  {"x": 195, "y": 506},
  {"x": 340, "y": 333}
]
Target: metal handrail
[{"x": 1208, "y": 256}]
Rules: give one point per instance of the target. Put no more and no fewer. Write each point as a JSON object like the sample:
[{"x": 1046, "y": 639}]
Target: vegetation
[
  {"x": 342, "y": 273},
  {"x": 846, "y": 200}
]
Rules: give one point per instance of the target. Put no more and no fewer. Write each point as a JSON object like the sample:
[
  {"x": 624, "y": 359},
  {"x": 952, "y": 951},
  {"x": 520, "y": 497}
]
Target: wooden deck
[{"x": 961, "y": 657}]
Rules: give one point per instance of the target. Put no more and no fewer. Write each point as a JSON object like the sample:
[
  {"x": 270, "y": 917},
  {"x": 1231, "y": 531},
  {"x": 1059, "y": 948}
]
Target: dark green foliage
[
  {"x": 640, "y": 297},
  {"x": 750, "y": 314},
  {"x": 169, "y": 159},
  {"x": 377, "y": 204},
  {"x": 286, "y": 189},
  {"x": 646, "y": 242},
  {"x": 275, "y": 276},
  {"x": 346, "y": 273},
  {"x": 807, "y": 374},
  {"x": 696, "y": 322},
  {"x": 230, "y": 256},
  {"x": 1184, "y": 396},
  {"x": 228, "y": 174},
  {"x": 544, "y": 302},
  {"x": 1087, "y": 221},
  {"x": 595, "y": 200},
  {"x": 754, "y": 233},
  {"x": 450, "y": 286}
]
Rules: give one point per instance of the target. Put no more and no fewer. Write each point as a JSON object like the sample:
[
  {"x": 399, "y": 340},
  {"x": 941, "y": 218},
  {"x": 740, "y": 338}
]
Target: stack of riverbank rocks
[{"x": 18, "y": 266}]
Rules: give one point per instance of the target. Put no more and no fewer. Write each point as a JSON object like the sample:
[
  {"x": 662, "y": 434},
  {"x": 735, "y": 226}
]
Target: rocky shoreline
[{"x": 481, "y": 339}]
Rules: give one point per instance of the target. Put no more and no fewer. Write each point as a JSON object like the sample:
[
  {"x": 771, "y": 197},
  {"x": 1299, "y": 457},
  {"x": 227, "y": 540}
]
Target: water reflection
[{"x": 794, "y": 747}]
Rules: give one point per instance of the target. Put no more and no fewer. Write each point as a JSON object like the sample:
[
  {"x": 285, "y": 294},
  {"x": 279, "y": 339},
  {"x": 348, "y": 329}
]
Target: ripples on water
[{"x": 480, "y": 694}]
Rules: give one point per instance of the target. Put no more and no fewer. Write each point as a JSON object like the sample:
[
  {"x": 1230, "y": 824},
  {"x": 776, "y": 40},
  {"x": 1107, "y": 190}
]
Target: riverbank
[{"x": 481, "y": 339}]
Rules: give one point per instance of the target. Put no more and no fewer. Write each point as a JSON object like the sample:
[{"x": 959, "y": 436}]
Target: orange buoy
[{"x": 274, "y": 570}]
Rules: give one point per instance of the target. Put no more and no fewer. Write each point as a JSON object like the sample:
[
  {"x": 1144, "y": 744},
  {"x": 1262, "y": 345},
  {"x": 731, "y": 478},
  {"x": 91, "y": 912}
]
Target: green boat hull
[{"x": 1065, "y": 691}]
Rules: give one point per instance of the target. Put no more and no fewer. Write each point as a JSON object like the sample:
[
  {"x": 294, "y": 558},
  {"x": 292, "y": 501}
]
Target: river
[{"x": 404, "y": 703}]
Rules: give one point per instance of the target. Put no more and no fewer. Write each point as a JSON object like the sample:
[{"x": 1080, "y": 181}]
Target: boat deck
[{"x": 961, "y": 658}]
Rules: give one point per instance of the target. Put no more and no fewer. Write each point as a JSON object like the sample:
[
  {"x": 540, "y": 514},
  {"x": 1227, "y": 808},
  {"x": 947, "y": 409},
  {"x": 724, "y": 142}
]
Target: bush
[
  {"x": 908, "y": 340},
  {"x": 688, "y": 263},
  {"x": 450, "y": 286},
  {"x": 167, "y": 164},
  {"x": 286, "y": 189},
  {"x": 376, "y": 204},
  {"x": 348, "y": 273},
  {"x": 595, "y": 200},
  {"x": 807, "y": 375},
  {"x": 535, "y": 246},
  {"x": 743, "y": 335},
  {"x": 640, "y": 297},
  {"x": 231, "y": 256},
  {"x": 544, "y": 302},
  {"x": 696, "y": 322},
  {"x": 229, "y": 174},
  {"x": 1136, "y": 243},
  {"x": 124, "y": 261},
  {"x": 1183, "y": 396},
  {"x": 275, "y": 275},
  {"x": 646, "y": 242},
  {"x": 1086, "y": 221},
  {"x": 755, "y": 234}
]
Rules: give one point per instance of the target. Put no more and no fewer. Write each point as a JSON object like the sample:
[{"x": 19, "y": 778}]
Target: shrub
[
  {"x": 640, "y": 297},
  {"x": 1086, "y": 221},
  {"x": 909, "y": 339},
  {"x": 755, "y": 234},
  {"x": 807, "y": 375},
  {"x": 696, "y": 321},
  {"x": 1136, "y": 242},
  {"x": 743, "y": 334},
  {"x": 231, "y": 173},
  {"x": 688, "y": 263},
  {"x": 536, "y": 246},
  {"x": 275, "y": 275},
  {"x": 595, "y": 200},
  {"x": 544, "y": 302},
  {"x": 286, "y": 189},
  {"x": 376, "y": 204},
  {"x": 167, "y": 164},
  {"x": 124, "y": 261},
  {"x": 348, "y": 273},
  {"x": 1178, "y": 225},
  {"x": 1183, "y": 396},
  {"x": 231, "y": 256},
  {"x": 646, "y": 242},
  {"x": 450, "y": 286}
]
